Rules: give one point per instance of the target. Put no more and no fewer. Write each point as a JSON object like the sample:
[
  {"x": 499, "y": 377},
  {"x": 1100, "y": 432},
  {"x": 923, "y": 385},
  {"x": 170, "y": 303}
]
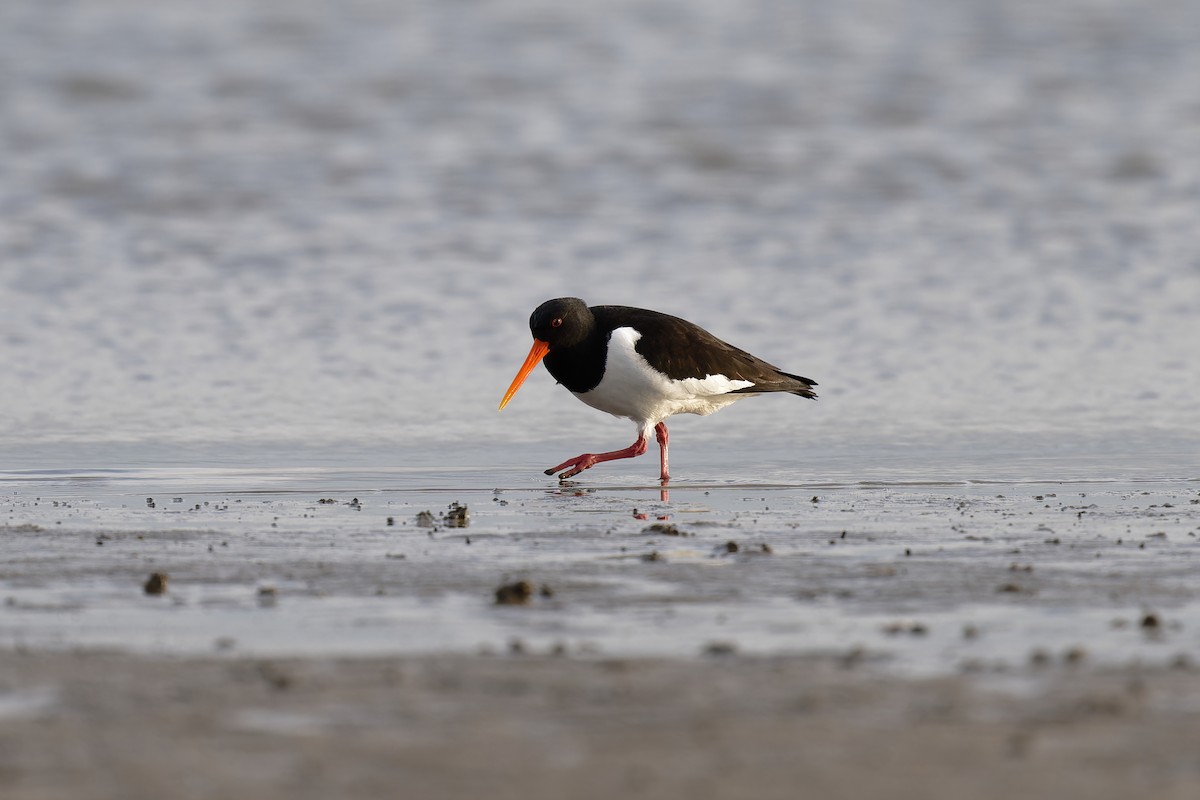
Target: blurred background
[{"x": 258, "y": 232}]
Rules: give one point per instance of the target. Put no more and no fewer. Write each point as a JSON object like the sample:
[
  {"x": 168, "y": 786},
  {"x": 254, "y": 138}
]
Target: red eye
[{"x": 556, "y": 323}]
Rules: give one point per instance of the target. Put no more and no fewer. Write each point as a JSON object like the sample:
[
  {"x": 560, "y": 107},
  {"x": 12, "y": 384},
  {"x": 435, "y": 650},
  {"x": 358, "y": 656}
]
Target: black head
[{"x": 562, "y": 322}]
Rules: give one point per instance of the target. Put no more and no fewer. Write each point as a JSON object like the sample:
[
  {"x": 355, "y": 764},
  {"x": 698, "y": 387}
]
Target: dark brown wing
[{"x": 680, "y": 349}]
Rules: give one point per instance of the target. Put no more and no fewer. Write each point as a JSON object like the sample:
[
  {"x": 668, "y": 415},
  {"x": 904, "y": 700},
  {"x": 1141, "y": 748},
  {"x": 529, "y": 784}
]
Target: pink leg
[
  {"x": 588, "y": 460},
  {"x": 660, "y": 433}
]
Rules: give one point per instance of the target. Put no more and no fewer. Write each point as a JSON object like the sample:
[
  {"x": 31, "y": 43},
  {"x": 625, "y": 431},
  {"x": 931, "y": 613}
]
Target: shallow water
[
  {"x": 924, "y": 577},
  {"x": 264, "y": 253},
  {"x": 253, "y": 226}
]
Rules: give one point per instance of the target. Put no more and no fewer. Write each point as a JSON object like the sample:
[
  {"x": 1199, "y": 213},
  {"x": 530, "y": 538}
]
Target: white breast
[{"x": 632, "y": 388}]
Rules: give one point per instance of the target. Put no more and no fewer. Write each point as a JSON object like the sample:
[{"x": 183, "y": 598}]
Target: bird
[{"x": 645, "y": 366}]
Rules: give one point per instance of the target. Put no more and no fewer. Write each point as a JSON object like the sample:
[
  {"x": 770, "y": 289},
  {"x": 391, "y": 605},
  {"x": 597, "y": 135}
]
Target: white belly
[{"x": 632, "y": 388}]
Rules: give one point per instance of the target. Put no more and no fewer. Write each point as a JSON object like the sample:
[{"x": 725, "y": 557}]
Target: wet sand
[
  {"x": 325, "y": 633},
  {"x": 115, "y": 726},
  {"x": 932, "y": 577}
]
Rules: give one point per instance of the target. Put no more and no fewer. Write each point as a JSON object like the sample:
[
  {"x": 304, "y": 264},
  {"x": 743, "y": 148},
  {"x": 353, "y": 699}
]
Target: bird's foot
[
  {"x": 574, "y": 466},
  {"x": 578, "y": 464}
]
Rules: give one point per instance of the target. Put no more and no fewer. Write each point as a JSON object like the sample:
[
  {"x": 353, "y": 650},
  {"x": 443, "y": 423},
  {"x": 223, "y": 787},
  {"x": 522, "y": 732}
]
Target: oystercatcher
[{"x": 645, "y": 366}]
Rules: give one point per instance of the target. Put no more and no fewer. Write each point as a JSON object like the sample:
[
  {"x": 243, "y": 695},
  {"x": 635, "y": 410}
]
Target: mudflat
[
  {"x": 105, "y": 725},
  {"x": 331, "y": 634}
]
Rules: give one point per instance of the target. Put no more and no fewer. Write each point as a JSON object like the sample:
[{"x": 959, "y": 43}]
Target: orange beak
[{"x": 536, "y": 354}]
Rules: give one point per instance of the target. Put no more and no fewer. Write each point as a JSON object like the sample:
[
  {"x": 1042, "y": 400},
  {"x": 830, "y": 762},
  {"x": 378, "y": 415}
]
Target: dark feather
[{"x": 681, "y": 349}]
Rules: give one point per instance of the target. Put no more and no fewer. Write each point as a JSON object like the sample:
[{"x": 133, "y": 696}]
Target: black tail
[{"x": 805, "y": 389}]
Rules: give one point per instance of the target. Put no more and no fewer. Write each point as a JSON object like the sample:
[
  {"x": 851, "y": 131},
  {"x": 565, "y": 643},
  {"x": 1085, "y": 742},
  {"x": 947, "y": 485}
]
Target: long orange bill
[{"x": 536, "y": 354}]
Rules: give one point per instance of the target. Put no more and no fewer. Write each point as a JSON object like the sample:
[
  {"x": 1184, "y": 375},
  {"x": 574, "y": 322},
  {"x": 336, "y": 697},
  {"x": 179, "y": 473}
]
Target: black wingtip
[
  {"x": 800, "y": 378},
  {"x": 805, "y": 389}
]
